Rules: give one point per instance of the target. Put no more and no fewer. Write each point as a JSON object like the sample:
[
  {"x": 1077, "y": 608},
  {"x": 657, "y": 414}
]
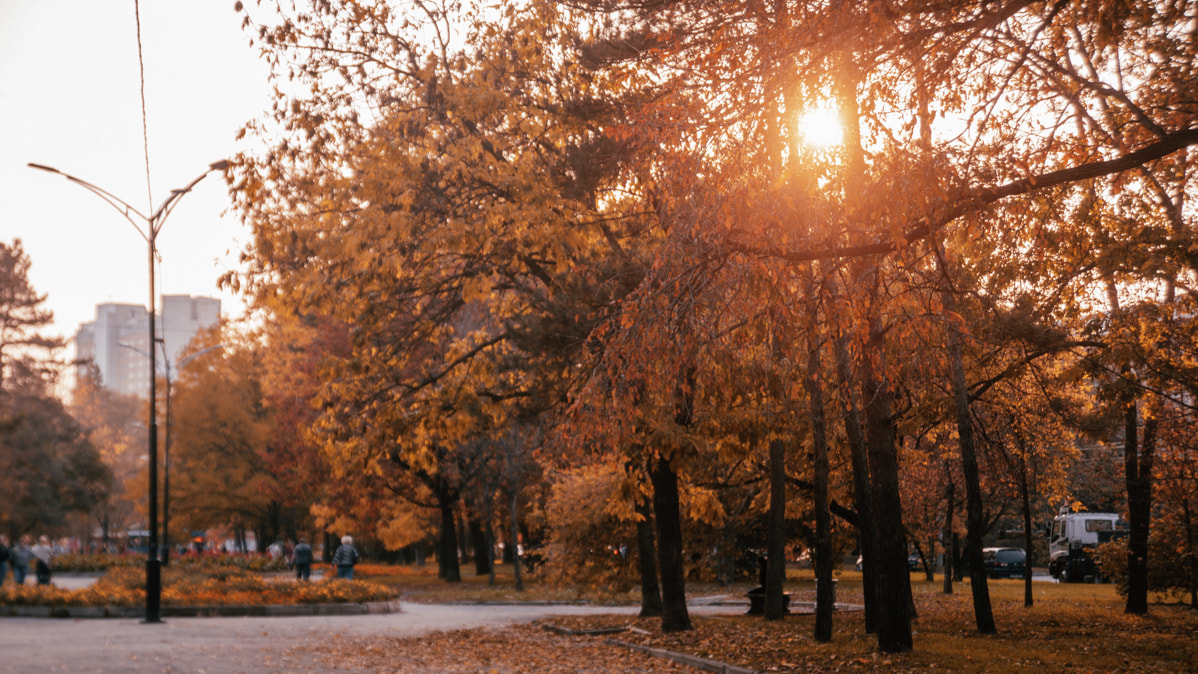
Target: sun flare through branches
[{"x": 820, "y": 128}]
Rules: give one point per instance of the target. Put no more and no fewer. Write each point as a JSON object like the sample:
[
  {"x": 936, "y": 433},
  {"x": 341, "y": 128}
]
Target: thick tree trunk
[
  {"x": 651, "y": 606},
  {"x": 859, "y": 456},
  {"x": 668, "y": 516},
  {"x": 947, "y": 535},
  {"x": 447, "y": 550},
  {"x": 1138, "y": 459},
  {"x": 775, "y": 562},
  {"x": 974, "y": 515},
  {"x": 881, "y": 529},
  {"x": 893, "y": 578},
  {"x": 824, "y": 595}
]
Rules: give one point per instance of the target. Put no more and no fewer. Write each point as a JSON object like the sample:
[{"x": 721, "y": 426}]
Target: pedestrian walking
[
  {"x": 44, "y": 555},
  {"x": 3, "y": 558},
  {"x": 19, "y": 556},
  {"x": 345, "y": 557},
  {"x": 301, "y": 557}
]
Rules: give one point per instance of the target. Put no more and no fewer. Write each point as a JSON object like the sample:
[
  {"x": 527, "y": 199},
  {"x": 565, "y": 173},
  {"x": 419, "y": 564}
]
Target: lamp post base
[{"x": 153, "y": 591}]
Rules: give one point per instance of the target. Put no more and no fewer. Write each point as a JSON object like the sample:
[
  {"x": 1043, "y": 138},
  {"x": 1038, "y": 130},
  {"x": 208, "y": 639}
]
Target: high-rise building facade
[{"x": 117, "y": 341}]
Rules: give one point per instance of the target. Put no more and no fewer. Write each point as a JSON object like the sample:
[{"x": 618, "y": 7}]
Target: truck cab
[{"x": 1072, "y": 540}]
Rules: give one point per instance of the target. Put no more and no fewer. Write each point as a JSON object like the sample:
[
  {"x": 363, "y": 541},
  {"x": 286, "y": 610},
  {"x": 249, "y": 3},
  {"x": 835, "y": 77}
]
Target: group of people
[
  {"x": 21, "y": 555},
  {"x": 301, "y": 556},
  {"x": 344, "y": 559},
  {"x": 24, "y": 552}
]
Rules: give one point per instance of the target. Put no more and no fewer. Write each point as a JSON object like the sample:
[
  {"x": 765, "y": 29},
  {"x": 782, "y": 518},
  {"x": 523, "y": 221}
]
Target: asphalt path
[
  {"x": 245, "y": 644},
  {"x": 232, "y": 644}
]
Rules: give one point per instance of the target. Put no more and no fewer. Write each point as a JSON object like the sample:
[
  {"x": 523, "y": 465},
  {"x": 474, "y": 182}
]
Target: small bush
[{"x": 1169, "y": 568}]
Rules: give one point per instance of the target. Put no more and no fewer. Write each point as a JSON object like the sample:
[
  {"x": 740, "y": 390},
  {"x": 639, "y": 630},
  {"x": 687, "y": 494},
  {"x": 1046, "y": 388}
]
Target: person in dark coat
[
  {"x": 301, "y": 557},
  {"x": 19, "y": 556}
]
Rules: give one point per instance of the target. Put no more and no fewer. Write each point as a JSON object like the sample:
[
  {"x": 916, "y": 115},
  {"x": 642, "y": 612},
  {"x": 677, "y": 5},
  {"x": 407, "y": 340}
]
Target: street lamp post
[{"x": 153, "y": 225}]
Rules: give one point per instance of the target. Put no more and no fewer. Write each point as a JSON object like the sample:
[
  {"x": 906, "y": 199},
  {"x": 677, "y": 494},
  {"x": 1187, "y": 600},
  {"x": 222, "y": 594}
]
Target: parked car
[
  {"x": 914, "y": 563},
  {"x": 1004, "y": 562}
]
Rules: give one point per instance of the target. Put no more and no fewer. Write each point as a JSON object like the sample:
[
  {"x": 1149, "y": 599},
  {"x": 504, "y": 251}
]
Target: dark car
[{"x": 1004, "y": 562}]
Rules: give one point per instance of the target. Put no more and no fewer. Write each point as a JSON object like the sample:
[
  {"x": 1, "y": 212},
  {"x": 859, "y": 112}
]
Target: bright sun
[{"x": 820, "y": 128}]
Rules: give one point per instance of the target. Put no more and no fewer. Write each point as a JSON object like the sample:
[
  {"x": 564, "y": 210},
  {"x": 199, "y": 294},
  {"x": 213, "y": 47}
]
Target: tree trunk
[
  {"x": 775, "y": 560},
  {"x": 516, "y": 539},
  {"x": 463, "y": 536},
  {"x": 1026, "y": 498},
  {"x": 824, "y": 594},
  {"x": 947, "y": 536},
  {"x": 859, "y": 455},
  {"x": 330, "y": 546},
  {"x": 893, "y": 578},
  {"x": 490, "y": 533},
  {"x": 1188, "y": 521},
  {"x": 651, "y": 606},
  {"x": 478, "y": 543},
  {"x": 1138, "y": 459},
  {"x": 974, "y": 515},
  {"x": 447, "y": 550},
  {"x": 958, "y": 565},
  {"x": 667, "y": 514},
  {"x": 875, "y": 484}
]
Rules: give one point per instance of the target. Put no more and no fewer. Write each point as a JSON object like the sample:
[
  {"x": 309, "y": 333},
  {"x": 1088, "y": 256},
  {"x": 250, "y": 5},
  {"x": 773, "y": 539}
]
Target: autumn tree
[
  {"x": 23, "y": 318},
  {"x": 454, "y": 229},
  {"x": 222, "y": 429},
  {"x": 111, "y": 421},
  {"x": 48, "y": 467}
]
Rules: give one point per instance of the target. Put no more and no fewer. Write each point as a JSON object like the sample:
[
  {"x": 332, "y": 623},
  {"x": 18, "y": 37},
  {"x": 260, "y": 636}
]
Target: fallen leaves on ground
[
  {"x": 1088, "y": 636},
  {"x": 1064, "y": 632},
  {"x": 518, "y": 648}
]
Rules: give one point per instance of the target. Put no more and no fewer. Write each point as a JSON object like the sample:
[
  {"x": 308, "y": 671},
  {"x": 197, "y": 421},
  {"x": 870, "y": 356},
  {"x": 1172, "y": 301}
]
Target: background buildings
[{"x": 117, "y": 340}]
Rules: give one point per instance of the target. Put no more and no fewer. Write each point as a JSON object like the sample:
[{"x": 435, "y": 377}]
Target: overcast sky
[{"x": 69, "y": 98}]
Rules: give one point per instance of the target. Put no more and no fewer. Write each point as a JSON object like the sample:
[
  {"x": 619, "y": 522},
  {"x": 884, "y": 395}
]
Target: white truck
[{"x": 1073, "y": 539}]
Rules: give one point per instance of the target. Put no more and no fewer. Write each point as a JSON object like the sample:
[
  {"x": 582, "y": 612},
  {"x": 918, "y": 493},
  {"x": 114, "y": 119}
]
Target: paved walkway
[
  {"x": 230, "y": 644},
  {"x": 249, "y": 644},
  {"x": 67, "y": 581}
]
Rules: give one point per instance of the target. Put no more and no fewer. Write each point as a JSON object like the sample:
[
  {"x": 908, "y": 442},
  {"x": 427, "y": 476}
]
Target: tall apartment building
[{"x": 117, "y": 340}]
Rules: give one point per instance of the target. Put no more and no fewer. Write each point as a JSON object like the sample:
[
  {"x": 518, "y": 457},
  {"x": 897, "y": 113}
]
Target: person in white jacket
[{"x": 44, "y": 554}]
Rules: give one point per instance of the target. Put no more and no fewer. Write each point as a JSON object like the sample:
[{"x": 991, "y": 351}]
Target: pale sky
[{"x": 69, "y": 98}]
